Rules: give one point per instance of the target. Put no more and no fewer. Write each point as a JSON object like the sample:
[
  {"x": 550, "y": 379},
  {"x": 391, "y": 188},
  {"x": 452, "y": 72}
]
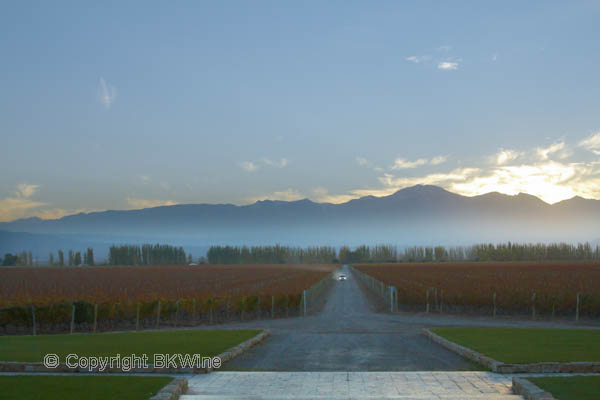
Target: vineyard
[
  {"x": 106, "y": 298},
  {"x": 567, "y": 289}
]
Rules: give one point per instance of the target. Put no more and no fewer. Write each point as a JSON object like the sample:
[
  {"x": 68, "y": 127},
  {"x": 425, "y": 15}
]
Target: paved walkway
[
  {"x": 351, "y": 385},
  {"x": 349, "y": 336},
  {"x": 346, "y": 336}
]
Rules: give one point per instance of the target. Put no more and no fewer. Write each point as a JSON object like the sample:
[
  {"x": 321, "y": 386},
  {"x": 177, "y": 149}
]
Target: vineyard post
[
  {"x": 95, "y": 317},
  {"x": 176, "y": 312},
  {"x": 533, "y": 306},
  {"x": 427, "y": 300},
  {"x": 272, "y": 306},
  {"x": 441, "y": 301},
  {"x": 287, "y": 305},
  {"x": 437, "y": 305},
  {"x": 228, "y": 308},
  {"x": 304, "y": 302},
  {"x": 158, "y": 316},
  {"x": 577, "y": 308},
  {"x": 194, "y": 311},
  {"x": 137, "y": 316},
  {"x": 72, "y": 317},
  {"x": 243, "y": 307},
  {"x": 33, "y": 319},
  {"x": 258, "y": 306},
  {"x": 494, "y": 299}
]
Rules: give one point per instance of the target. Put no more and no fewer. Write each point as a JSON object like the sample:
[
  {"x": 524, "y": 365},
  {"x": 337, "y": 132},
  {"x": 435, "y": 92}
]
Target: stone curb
[
  {"x": 529, "y": 390},
  {"x": 242, "y": 347},
  {"x": 506, "y": 368},
  {"x": 172, "y": 391},
  {"x": 464, "y": 351},
  {"x": 15, "y": 366}
]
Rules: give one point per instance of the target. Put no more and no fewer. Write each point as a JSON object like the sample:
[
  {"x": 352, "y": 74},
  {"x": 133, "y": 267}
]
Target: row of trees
[
  {"x": 503, "y": 252},
  {"x": 271, "y": 255},
  {"x": 380, "y": 253},
  {"x": 74, "y": 258},
  {"x": 158, "y": 254},
  {"x": 146, "y": 254}
]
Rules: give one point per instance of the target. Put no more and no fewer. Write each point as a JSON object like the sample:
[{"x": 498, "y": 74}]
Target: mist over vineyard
[{"x": 420, "y": 215}]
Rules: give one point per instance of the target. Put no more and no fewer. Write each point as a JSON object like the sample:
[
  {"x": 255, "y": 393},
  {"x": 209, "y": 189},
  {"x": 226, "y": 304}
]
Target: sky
[{"x": 126, "y": 105}]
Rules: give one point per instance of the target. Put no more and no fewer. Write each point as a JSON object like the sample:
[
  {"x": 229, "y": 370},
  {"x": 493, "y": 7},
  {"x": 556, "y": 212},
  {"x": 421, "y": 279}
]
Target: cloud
[
  {"x": 107, "y": 93},
  {"x": 285, "y": 195},
  {"x": 448, "y": 65},
  {"x": 418, "y": 59},
  {"x": 592, "y": 143},
  {"x": 544, "y": 172},
  {"x": 135, "y": 203},
  {"x": 26, "y": 190},
  {"x": 249, "y": 166},
  {"x": 544, "y": 152},
  {"x": 362, "y": 161},
  {"x": 12, "y": 208},
  {"x": 494, "y": 57},
  {"x": 282, "y": 163},
  {"x": 503, "y": 156},
  {"x": 438, "y": 160},
  {"x": 401, "y": 163}
]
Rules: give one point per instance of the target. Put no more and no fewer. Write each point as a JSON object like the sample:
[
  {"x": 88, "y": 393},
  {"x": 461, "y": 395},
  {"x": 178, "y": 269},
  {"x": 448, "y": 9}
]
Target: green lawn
[
  {"x": 525, "y": 345},
  {"x": 45, "y": 387},
  {"x": 207, "y": 343},
  {"x": 570, "y": 388}
]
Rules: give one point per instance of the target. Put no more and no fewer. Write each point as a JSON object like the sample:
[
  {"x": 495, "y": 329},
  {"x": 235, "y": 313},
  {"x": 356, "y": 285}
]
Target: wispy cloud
[
  {"x": 418, "y": 59},
  {"x": 107, "y": 93},
  {"x": 253, "y": 166},
  {"x": 543, "y": 171},
  {"x": 137, "y": 203},
  {"x": 21, "y": 205},
  {"x": 503, "y": 156},
  {"x": 544, "y": 152},
  {"x": 249, "y": 166},
  {"x": 26, "y": 190},
  {"x": 448, "y": 65},
  {"x": 282, "y": 163},
  {"x": 592, "y": 143},
  {"x": 495, "y": 57},
  {"x": 401, "y": 163},
  {"x": 362, "y": 161},
  {"x": 438, "y": 160}
]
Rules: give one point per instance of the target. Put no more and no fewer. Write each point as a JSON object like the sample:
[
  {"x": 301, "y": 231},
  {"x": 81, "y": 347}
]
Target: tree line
[
  {"x": 159, "y": 254},
  {"x": 271, "y": 255},
  {"x": 146, "y": 254}
]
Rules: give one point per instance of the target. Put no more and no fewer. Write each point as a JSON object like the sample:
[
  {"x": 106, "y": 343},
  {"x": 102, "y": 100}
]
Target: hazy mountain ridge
[{"x": 416, "y": 215}]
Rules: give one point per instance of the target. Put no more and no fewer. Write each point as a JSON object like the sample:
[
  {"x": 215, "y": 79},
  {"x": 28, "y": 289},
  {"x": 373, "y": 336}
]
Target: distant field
[
  {"x": 26, "y": 285},
  {"x": 114, "y": 298},
  {"x": 551, "y": 287}
]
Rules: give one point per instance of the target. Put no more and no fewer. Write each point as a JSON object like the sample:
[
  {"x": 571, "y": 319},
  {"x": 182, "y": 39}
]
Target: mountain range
[{"x": 418, "y": 215}]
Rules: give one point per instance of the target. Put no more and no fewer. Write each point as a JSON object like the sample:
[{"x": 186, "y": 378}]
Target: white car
[{"x": 342, "y": 277}]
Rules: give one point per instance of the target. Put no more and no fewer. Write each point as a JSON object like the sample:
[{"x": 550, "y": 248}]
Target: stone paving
[{"x": 351, "y": 385}]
